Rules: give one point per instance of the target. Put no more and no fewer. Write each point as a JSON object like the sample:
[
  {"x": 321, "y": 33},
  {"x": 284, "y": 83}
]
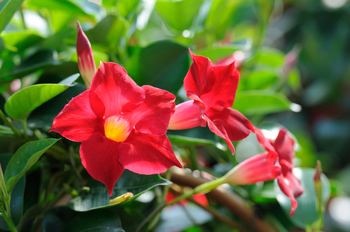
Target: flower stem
[
  {"x": 7, "y": 215},
  {"x": 3, "y": 117}
]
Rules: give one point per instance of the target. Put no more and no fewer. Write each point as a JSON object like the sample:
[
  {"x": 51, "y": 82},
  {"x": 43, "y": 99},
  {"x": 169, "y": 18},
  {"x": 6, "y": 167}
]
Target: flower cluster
[{"x": 123, "y": 126}]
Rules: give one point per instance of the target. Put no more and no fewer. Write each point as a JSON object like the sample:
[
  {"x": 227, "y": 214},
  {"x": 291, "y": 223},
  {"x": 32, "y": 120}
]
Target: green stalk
[{"x": 3, "y": 117}]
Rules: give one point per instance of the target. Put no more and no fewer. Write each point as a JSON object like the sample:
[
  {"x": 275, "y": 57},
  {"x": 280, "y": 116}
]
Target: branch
[{"x": 230, "y": 200}]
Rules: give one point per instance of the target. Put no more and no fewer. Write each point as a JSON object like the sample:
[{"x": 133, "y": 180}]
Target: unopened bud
[{"x": 86, "y": 61}]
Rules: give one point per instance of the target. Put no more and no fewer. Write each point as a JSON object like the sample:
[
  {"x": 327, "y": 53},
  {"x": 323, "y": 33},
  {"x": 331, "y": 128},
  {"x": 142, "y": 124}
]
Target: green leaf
[
  {"x": 23, "y": 102},
  {"x": 95, "y": 221},
  {"x": 162, "y": 64},
  {"x": 179, "y": 14},
  {"x": 43, "y": 116},
  {"x": 31, "y": 64},
  {"x": 16, "y": 203},
  {"x": 95, "y": 194},
  {"x": 112, "y": 27},
  {"x": 25, "y": 157},
  {"x": 262, "y": 102},
  {"x": 183, "y": 140},
  {"x": 7, "y": 9},
  {"x": 61, "y": 5},
  {"x": 306, "y": 213}
]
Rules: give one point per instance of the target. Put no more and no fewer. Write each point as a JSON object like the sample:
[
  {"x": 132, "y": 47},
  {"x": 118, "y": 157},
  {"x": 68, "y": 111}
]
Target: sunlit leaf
[
  {"x": 62, "y": 5},
  {"x": 179, "y": 14},
  {"x": 23, "y": 102}
]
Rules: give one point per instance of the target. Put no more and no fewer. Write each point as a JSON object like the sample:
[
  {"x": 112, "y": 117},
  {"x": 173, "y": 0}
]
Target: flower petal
[
  {"x": 147, "y": 154},
  {"x": 219, "y": 129},
  {"x": 112, "y": 86},
  {"x": 99, "y": 156},
  {"x": 77, "y": 121},
  {"x": 153, "y": 115},
  {"x": 214, "y": 85},
  {"x": 266, "y": 144},
  {"x": 256, "y": 168},
  {"x": 284, "y": 145},
  {"x": 286, "y": 190},
  {"x": 187, "y": 115},
  {"x": 237, "y": 126}
]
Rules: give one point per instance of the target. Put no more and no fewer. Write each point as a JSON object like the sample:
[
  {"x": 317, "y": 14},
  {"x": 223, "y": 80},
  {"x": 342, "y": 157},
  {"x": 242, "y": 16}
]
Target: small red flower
[
  {"x": 288, "y": 183},
  {"x": 120, "y": 126},
  {"x": 86, "y": 60},
  {"x": 212, "y": 89},
  {"x": 257, "y": 168}
]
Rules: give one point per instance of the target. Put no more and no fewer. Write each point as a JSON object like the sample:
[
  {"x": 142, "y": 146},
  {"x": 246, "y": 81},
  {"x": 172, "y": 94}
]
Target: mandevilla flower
[
  {"x": 86, "y": 60},
  {"x": 120, "y": 126},
  {"x": 212, "y": 90},
  {"x": 261, "y": 167},
  {"x": 288, "y": 183}
]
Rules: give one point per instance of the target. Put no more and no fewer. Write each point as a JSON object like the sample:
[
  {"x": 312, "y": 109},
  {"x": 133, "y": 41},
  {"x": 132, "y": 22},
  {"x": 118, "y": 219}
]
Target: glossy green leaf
[
  {"x": 23, "y": 102},
  {"x": 31, "y": 64},
  {"x": 7, "y": 9},
  {"x": 61, "y": 5},
  {"x": 95, "y": 221},
  {"x": 95, "y": 194},
  {"x": 43, "y": 116},
  {"x": 262, "y": 102},
  {"x": 112, "y": 27},
  {"x": 162, "y": 64},
  {"x": 179, "y": 14},
  {"x": 183, "y": 140},
  {"x": 16, "y": 203},
  {"x": 306, "y": 213},
  {"x": 24, "y": 158}
]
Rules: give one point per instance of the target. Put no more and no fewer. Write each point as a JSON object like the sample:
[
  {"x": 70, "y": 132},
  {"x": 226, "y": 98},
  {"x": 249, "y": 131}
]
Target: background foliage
[{"x": 294, "y": 64}]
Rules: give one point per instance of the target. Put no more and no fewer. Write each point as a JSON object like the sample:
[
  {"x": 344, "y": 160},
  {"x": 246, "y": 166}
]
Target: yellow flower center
[{"x": 116, "y": 128}]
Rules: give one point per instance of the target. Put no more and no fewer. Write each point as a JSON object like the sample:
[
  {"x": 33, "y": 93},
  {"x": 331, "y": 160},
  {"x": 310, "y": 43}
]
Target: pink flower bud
[{"x": 86, "y": 61}]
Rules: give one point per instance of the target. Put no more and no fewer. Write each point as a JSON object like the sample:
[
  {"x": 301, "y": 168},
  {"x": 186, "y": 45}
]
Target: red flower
[
  {"x": 288, "y": 183},
  {"x": 86, "y": 60},
  {"x": 257, "y": 168},
  {"x": 212, "y": 90},
  {"x": 120, "y": 126}
]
